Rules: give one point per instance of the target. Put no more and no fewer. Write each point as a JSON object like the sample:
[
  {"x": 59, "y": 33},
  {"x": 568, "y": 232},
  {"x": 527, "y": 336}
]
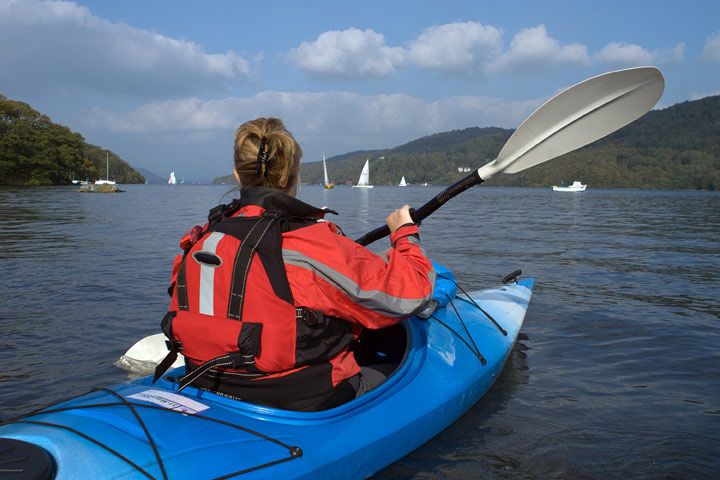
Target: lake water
[{"x": 616, "y": 374}]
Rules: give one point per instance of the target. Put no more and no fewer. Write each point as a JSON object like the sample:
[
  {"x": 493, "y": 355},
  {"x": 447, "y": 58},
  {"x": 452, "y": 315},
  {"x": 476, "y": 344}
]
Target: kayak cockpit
[{"x": 384, "y": 349}]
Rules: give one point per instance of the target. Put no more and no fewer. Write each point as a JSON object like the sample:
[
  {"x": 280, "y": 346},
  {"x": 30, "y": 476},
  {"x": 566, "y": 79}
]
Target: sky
[{"x": 165, "y": 83}]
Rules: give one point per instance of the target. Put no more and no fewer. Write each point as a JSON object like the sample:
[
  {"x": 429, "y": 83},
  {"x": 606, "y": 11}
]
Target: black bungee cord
[
  {"x": 472, "y": 346},
  {"x": 489, "y": 317},
  {"x": 475, "y": 351},
  {"x": 293, "y": 451}
]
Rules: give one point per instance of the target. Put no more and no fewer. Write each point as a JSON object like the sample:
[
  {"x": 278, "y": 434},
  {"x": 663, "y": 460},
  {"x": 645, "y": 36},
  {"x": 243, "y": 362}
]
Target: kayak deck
[{"x": 144, "y": 430}]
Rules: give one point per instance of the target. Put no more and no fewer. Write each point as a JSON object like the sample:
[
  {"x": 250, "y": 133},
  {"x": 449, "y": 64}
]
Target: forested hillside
[
  {"x": 36, "y": 151},
  {"x": 677, "y": 147}
]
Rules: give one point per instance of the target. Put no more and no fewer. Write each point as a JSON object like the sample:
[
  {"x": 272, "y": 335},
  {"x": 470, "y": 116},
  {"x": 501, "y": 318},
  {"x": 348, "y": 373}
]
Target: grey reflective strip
[
  {"x": 416, "y": 241},
  {"x": 375, "y": 300},
  {"x": 207, "y": 275}
]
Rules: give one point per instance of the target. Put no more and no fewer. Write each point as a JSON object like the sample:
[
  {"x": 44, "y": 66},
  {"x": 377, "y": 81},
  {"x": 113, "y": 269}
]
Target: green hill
[
  {"x": 36, "y": 151},
  {"x": 677, "y": 147}
]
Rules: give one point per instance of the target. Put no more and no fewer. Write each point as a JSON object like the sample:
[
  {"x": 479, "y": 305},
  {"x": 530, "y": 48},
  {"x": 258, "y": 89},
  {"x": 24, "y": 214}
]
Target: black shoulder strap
[
  {"x": 182, "y": 294},
  {"x": 244, "y": 258}
]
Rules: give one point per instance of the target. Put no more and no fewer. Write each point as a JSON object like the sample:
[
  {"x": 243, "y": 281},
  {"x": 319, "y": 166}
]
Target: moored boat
[
  {"x": 107, "y": 180},
  {"x": 575, "y": 187},
  {"x": 443, "y": 365}
]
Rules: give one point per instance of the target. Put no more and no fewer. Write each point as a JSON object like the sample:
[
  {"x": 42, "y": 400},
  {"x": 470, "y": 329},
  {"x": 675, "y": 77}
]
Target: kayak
[{"x": 443, "y": 364}]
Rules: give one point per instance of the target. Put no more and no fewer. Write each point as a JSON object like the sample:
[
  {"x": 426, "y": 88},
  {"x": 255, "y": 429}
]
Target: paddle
[{"x": 571, "y": 119}]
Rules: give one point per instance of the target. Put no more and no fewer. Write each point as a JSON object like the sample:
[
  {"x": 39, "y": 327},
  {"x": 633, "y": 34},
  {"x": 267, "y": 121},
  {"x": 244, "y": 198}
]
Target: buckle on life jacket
[
  {"x": 273, "y": 214},
  {"x": 243, "y": 361},
  {"x": 216, "y": 213},
  {"x": 308, "y": 317},
  {"x": 233, "y": 360}
]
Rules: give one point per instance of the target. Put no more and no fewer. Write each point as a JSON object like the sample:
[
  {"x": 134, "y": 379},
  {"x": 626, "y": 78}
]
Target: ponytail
[{"x": 267, "y": 155}]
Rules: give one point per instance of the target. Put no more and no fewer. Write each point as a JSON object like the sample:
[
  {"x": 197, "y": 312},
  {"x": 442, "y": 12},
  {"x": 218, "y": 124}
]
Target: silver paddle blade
[{"x": 580, "y": 115}]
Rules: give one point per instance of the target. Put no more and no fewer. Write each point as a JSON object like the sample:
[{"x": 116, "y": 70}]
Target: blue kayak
[{"x": 444, "y": 364}]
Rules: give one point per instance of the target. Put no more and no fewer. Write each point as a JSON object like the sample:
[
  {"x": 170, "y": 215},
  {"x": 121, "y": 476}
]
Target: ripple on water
[{"x": 617, "y": 373}]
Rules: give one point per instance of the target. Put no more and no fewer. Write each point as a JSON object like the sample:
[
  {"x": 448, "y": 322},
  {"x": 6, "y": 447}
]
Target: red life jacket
[{"x": 232, "y": 310}]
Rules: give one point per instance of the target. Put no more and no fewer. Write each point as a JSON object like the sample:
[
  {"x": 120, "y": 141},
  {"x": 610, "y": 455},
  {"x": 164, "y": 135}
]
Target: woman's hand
[{"x": 398, "y": 218}]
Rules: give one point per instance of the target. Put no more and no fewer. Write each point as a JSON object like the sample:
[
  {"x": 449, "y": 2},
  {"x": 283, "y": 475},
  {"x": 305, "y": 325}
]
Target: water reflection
[{"x": 363, "y": 208}]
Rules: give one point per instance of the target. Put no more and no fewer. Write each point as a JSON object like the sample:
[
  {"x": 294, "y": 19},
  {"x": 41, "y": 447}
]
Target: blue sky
[{"x": 165, "y": 83}]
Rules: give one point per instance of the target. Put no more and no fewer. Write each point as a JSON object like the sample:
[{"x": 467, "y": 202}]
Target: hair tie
[{"x": 262, "y": 158}]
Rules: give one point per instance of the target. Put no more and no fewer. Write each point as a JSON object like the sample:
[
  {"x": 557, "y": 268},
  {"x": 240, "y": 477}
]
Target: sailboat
[
  {"x": 107, "y": 180},
  {"x": 402, "y": 183},
  {"x": 364, "y": 180},
  {"x": 171, "y": 180},
  {"x": 327, "y": 184}
]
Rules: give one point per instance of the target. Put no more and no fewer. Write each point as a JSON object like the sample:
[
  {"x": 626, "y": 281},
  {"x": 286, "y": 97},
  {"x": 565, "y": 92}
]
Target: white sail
[
  {"x": 325, "y": 171},
  {"x": 402, "y": 183},
  {"x": 364, "y": 180},
  {"x": 171, "y": 180}
]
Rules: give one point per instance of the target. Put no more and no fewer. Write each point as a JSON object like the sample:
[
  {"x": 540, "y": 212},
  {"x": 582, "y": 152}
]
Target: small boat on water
[
  {"x": 575, "y": 187},
  {"x": 172, "y": 180},
  {"x": 402, "y": 183},
  {"x": 441, "y": 366},
  {"x": 327, "y": 183},
  {"x": 364, "y": 180},
  {"x": 107, "y": 180}
]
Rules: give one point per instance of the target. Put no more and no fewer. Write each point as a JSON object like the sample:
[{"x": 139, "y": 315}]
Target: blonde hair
[{"x": 283, "y": 153}]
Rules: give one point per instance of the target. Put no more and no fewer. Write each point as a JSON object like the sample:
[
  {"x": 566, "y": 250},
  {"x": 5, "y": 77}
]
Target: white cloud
[
  {"x": 346, "y": 121},
  {"x": 533, "y": 49},
  {"x": 712, "y": 47},
  {"x": 453, "y": 48},
  {"x": 699, "y": 95},
  {"x": 630, "y": 54},
  {"x": 334, "y": 122},
  {"x": 62, "y": 44},
  {"x": 673, "y": 55},
  {"x": 458, "y": 47},
  {"x": 348, "y": 53}
]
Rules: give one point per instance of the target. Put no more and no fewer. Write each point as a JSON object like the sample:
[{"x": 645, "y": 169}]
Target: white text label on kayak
[{"x": 169, "y": 400}]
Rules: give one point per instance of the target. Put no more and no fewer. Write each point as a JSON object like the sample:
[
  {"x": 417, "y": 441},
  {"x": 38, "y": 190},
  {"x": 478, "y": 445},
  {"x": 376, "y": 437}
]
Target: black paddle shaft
[{"x": 423, "y": 212}]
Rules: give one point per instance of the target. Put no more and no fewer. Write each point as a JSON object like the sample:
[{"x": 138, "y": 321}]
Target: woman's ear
[{"x": 237, "y": 176}]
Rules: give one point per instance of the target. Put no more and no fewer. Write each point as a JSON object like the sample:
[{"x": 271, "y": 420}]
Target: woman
[{"x": 268, "y": 297}]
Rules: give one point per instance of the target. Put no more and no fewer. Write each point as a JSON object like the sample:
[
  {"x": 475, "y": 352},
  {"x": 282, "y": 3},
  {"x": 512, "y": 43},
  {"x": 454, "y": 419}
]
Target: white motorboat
[{"x": 575, "y": 187}]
